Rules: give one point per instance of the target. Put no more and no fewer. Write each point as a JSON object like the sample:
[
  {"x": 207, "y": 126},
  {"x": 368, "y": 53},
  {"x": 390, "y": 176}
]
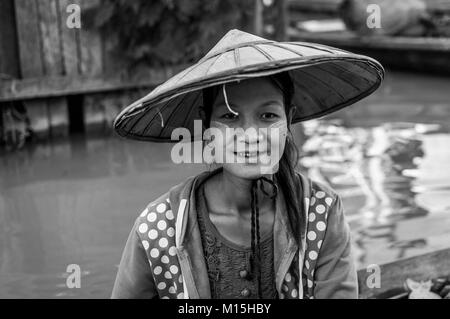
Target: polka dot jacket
[{"x": 163, "y": 257}]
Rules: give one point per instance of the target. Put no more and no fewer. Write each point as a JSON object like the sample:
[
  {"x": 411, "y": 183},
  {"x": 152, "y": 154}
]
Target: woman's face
[{"x": 261, "y": 117}]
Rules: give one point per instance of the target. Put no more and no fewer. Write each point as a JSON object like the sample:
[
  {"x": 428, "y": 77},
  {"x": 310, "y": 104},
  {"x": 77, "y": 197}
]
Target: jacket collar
[{"x": 189, "y": 244}]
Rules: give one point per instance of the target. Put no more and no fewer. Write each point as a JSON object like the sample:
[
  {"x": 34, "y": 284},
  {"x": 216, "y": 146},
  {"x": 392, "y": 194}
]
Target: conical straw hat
[{"x": 325, "y": 80}]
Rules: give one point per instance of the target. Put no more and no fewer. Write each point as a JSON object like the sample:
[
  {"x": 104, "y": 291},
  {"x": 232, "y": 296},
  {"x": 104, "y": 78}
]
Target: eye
[
  {"x": 229, "y": 116},
  {"x": 269, "y": 116}
]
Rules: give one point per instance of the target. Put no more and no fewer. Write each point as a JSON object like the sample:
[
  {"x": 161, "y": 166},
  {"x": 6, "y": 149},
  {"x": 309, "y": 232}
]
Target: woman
[{"x": 253, "y": 227}]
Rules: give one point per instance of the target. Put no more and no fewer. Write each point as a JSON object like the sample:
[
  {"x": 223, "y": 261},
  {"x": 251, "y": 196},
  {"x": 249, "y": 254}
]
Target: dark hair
[{"x": 286, "y": 176}]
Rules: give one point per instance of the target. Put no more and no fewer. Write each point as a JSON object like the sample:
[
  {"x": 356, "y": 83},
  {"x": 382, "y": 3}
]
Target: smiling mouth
[
  {"x": 246, "y": 154},
  {"x": 249, "y": 154}
]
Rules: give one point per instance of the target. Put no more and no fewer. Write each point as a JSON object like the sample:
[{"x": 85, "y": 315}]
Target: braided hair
[{"x": 285, "y": 177}]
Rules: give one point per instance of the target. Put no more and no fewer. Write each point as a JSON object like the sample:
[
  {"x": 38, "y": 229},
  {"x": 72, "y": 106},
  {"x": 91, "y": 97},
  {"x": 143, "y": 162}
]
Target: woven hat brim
[{"x": 322, "y": 84}]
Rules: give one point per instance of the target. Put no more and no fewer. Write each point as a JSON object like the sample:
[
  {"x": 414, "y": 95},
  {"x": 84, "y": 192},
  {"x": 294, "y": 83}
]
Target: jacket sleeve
[
  {"x": 134, "y": 278},
  {"x": 335, "y": 275}
]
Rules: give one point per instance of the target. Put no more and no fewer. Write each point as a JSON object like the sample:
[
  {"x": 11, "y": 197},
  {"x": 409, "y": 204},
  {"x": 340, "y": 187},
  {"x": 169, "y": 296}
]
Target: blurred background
[{"x": 70, "y": 189}]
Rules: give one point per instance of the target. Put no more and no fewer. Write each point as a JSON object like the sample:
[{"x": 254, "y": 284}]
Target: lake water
[{"x": 74, "y": 202}]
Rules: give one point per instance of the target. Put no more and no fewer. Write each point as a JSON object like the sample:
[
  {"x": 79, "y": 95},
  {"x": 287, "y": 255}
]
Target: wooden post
[
  {"x": 31, "y": 62},
  {"x": 258, "y": 18},
  {"x": 92, "y": 64},
  {"x": 12, "y": 131},
  {"x": 53, "y": 63},
  {"x": 9, "y": 63},
  {"x": 70, "y": 47},
  {"x": 282, "y": 21}
]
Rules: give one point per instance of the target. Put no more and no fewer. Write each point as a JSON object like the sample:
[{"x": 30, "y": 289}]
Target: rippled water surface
[{"x": 74, "y": 202}]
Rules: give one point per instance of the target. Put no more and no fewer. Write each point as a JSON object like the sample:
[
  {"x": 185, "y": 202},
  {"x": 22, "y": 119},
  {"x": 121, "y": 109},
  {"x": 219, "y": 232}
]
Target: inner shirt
[{"x": 229, "y": 265}]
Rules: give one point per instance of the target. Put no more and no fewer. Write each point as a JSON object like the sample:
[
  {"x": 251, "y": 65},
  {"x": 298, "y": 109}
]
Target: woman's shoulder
[
  {"x": 164, "y": 207},
  {"x": 156, "y": 216},
  {"x": 316, "y": 188}
]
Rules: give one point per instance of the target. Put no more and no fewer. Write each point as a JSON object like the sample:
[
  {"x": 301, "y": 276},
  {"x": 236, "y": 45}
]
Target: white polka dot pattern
[
  {"x": 151, "y": 217},
  {"x": 319, "y": 205},
  {"x": 294, "y": 293},
  {"x": 312, "y": 255},
  {"x": 156, "y": 228},
  {"x": 157, "y": 270},
  {"x": 320, "y": 194},
  {"x": 172, "y": 251},
  {"x": 169, "y": 215},
  {"x": 143, "y": 228},
  {"x": 312, "y": 235},
  {"x": 288, "y": 277},
  {"x": 161, "y": 208},
  {"x": 320, "y": 226},
  {"x": 163, "y": 243},
  {"x": 162, "y": 225},
  {"x": 320, "y": 209},
  {"x": 173, "y": 269},
  {"x": 171, "y": 232},
  {"x": 152, "y": 234}
]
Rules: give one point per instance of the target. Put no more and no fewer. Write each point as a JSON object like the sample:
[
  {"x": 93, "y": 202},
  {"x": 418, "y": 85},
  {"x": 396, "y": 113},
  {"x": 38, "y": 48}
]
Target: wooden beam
[
  {"x": 53, "y": 86},
  {"x": 331, "y": 6},
  {"x": 322, "y": 6},
  {"x": 348, "y": 38}
]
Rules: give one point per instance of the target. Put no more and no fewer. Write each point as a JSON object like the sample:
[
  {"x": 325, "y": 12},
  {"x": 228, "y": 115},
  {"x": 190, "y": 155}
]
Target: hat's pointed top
[{"x": 234, "y": 38}]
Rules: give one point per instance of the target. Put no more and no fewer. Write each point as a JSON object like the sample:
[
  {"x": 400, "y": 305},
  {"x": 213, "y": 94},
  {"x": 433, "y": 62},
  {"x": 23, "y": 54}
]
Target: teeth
[{"x": 247, "y": 154}]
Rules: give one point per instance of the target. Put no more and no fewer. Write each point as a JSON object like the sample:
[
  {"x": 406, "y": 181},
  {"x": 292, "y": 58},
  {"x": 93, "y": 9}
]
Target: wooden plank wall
[
  {"x": 48, "y": 48},
  {"x": 50, "y": 26},
  {"x": 31, "y": 60}
]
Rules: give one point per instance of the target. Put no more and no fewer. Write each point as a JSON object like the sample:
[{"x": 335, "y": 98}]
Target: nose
[{"x": 252, "y": 134}]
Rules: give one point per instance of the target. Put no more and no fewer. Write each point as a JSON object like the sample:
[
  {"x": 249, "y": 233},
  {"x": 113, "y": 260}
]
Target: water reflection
[{"x": 375, "y": 170}]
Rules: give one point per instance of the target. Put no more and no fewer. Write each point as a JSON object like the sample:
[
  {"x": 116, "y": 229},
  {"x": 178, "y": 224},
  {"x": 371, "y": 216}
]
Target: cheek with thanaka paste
[{"x": 276, "y": 138}]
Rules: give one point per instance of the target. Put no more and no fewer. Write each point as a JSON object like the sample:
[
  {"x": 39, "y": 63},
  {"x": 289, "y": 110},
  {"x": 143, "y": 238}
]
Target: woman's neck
[{"x": 235, "y": 192}]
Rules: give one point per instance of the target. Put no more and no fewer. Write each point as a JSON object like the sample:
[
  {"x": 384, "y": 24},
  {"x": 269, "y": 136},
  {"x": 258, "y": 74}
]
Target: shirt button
[
  {"x": 245, "y": 293},
  {"x": 243, "y": 274}
]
